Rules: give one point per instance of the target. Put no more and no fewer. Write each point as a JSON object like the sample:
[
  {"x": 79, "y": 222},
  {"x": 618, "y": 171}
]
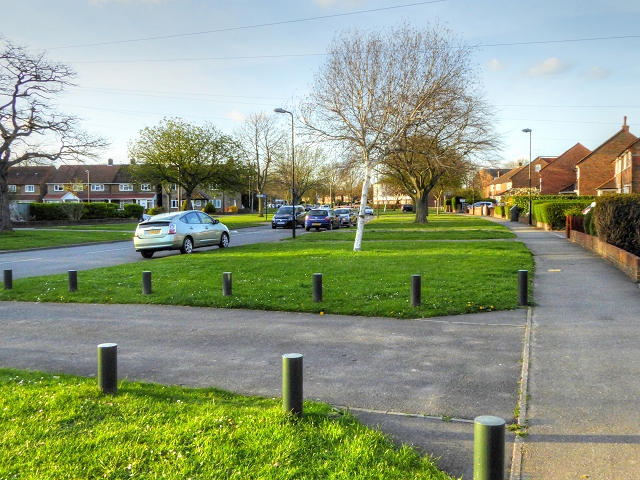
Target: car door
[
  {"x": 210, "y": 234},
  {"x": 194, "y": 227}
]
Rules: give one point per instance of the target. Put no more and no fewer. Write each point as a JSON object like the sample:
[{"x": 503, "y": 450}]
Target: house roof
[
  {"x": 604, "y": 148},
  {"x": 506, "y": 176},
  {"x": 571, "y": 157},
  {"x": 608, "y": 185},
  {"x": 29, "y": 175},
  {"x": 97, "y": 174}
]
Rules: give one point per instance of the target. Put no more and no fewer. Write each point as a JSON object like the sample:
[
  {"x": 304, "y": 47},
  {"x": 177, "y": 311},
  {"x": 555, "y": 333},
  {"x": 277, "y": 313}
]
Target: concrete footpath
[{"x": 406, "y": 377}]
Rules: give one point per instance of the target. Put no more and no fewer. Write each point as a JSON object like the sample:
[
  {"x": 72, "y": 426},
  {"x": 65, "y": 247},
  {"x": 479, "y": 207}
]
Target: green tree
[{"x": 188, "y": 155}]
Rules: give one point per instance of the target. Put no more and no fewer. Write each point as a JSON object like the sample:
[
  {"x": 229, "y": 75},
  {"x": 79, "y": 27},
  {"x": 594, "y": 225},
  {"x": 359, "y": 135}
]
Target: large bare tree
[
  {"x": 262, "y": 139},
  {"x": 377, "y": 88},
  {"x": 32, "y": 129}
]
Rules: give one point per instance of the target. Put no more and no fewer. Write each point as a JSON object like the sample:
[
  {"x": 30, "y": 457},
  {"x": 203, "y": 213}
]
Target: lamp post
[
  {"x": 88, "y": 185},
  {"x": 293, "y": 163},
  {"x": 528, "y": 130}
]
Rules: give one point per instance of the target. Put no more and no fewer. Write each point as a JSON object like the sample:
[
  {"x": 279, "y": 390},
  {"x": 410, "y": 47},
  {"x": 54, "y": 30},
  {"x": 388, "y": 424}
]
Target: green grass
[
  {"x": 457, "y": 277},
  {"x": 60, "y": 426},
  {"x": 22, "y": 239}
]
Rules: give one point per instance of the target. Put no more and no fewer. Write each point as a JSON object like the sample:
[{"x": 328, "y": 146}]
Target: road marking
[
  {"x": 18, "y": 261},
  {"x": 554, "y": 270}
]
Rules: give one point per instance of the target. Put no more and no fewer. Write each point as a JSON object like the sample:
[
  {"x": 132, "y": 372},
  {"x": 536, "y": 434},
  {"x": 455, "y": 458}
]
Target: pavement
[{"x": 420, "y": 381}]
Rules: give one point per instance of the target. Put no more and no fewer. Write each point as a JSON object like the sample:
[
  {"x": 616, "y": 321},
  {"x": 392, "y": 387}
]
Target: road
[{"x": 60, "y": 260}]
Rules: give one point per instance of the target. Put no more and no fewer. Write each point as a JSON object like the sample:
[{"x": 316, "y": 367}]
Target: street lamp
[
  {"x": 528, "y": 130},
  {"x": 293, "y": 163},
  {"x": 88, "y": 185}
]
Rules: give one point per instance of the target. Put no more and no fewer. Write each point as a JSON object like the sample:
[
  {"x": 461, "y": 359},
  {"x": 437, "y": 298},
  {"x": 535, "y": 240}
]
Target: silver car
[
  {"x": 347, "y": 216},
  {"x": 182, "y": 231}
]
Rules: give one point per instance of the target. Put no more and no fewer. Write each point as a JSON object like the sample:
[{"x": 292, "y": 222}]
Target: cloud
[
  {"x": 236, "y": 116},
  {"x": 341, "y": 3},
  {"x": 547, "y": 68},
  {"x": 495, "y": 65},
  {"x": 599, "y": 72}
]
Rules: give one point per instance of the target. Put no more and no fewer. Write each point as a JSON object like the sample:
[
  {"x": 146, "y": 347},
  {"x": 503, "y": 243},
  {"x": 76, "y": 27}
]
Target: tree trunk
[
  {"x": 187, "y": 201},
  {"x": 357, "y": 244},
  {"x": 422, "y": 208},
  {"x": 260, "y": 205},
  {"x": 5, "y": 213}
]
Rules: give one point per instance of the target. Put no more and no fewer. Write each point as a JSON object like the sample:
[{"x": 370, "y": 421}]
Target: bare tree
[
  {"x": 377, "y": 88},
  {"x": 32, "y": 129},
  {"x": 310, "y": 162},
  {"x": 261, "y": 139}
]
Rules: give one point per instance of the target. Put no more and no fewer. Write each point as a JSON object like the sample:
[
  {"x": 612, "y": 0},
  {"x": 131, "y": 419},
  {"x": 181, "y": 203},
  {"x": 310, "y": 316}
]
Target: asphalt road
[{"x": 60, "y": 260}]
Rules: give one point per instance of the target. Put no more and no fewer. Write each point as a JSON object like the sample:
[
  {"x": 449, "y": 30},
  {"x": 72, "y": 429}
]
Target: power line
[
  {"x": 569, "y": 40},
  {"x": 148, "y": 93},
  {"x": 253, "y": 57},
  {"x": 260, "y": 25}
]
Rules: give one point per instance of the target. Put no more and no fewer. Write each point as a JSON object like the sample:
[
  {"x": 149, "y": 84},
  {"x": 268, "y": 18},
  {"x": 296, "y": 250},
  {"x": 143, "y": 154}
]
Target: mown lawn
[
  {"x": 40, "y": 238},
  {"x": 61, "y": 426},
  {"x": 458, "y": 276}
]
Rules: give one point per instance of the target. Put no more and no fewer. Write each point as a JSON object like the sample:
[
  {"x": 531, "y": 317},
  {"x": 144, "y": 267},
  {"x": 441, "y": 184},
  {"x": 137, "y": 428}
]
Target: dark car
[
  {"x": 347, "y": 216},
  {"x": 321, "y": 218},
  {"x": 407, "y": 208},
  {"x": 282, "y": 217}
]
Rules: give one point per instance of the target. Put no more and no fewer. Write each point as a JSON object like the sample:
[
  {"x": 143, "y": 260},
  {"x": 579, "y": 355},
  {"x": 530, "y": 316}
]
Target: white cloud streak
[{"x": 550, "y": 67}]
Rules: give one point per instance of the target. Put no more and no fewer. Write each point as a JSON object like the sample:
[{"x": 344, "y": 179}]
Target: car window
[
  {"x": 204, "y": 218},
  {"x": 284, "y": 210},
  {"x": 191, "y": 218},
  {"x": 342, "y": 211},
  {"x": 318, "y": 212}
]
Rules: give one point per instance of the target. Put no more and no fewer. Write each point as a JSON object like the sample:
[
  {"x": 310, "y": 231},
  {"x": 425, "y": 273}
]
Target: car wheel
[
  {"x": 339, "y": 225},
  {"x": 187, "y": 245},
  {"x": 273, "y": 226},
  {"x": 317, "y": 229},
  {"x": 147, "y": 253},
  {"x": 330, "y": 227},
  {"x": 224, "y": 240},
  {"x": 307, "y": 228}
]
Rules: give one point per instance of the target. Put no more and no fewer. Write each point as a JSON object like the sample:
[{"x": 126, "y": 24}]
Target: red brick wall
[{"x": 561, "y": 173}]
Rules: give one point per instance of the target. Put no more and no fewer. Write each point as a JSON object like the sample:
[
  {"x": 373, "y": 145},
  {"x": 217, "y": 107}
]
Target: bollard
[
  {"x": 108, "y": 367},
  {"x": 226, "y": 284},
  {"x": 292, "y": 383},
  {"x": 488, "y": 448},
  {"x": 8, "y": 279},
  {"x": 416, "y": 290},
  {"x": 146, "y": 283},
  {"x": 317, "y": 287},
  {"x": 73, "y": 280},
  {"x": 523, "y": 287}
]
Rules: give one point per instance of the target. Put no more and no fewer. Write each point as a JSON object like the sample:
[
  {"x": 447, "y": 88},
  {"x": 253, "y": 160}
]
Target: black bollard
[
  {"x": 226, "y": 284},
  {"x": 108, "y": 367},
  {"x": 73, "y": 280},
  {"x": 416, "y": 290},
  {"x": 292, "y": 383},
  {"x": 488, "y": 448},
  {"x": 8, "y": 279},
  {"x": 523, "y": 288},
  {"x": 146, "y": 283},
  {"x": 317, "y": 287}
]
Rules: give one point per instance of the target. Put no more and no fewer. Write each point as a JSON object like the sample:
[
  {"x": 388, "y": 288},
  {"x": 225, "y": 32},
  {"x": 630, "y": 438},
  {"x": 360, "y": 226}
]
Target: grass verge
[
  {"x": 22, "y": 239},
  {"x": 60, "y": 426}
]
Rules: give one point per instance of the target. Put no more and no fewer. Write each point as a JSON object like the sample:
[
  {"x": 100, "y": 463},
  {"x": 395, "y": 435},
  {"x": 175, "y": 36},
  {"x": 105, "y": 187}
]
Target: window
[
  {"x": 78, "y": 187},
  {"x": 538, "y": 167},
  {"x": 218, "y": 203},
  {"x": 97, "y": 187},
  {"x": 145, "y": 187},
  {"x": 29, "y": 188},
  {"x": 126, "y": 187},
  {"x": 12, "y": 188},
  {"x": 58, "y": 188},
  {"x": 198, "y": 203},
  {"x": 174, "y": 203}
]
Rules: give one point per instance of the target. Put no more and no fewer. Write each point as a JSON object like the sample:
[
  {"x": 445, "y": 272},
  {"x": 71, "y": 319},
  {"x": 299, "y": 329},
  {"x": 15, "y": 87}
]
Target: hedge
[
  {"x": 617, "y": 221},
  {"x": 554, "y": 213},
  {"x": 54, "y": 211},
  {"x": 100, "y": 210},
  {"x": 522, "y": 201}
]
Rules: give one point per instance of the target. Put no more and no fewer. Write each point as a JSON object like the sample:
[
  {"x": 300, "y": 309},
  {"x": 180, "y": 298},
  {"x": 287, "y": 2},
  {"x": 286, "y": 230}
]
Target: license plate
[
  {"x": 315, "y": 224},
  {"x": 155, "y": 231}
]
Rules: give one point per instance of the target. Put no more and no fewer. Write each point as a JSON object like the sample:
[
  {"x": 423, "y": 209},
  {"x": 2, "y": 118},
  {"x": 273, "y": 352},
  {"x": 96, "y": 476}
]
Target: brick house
[
  {"x": 502, "y": 183},
  {"x": 29, "y": 184},
  {"x": 98, "y": 183},
  {"x": 559, "y": 177},
  {"x": 627, "y": 170},
  {"x": 485, "y": 177},
  {"x": 596, "y": 172}
]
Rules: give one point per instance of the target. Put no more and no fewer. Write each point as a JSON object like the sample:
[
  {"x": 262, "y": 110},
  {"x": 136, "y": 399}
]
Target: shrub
[
  {"x": 209, "y": 208},
  {"x": 617, "y": 220},
  {"x": 132, "y": 210},
  {"x": 46, "y": 211},
  {"x": 233, "y": 209},
  {"x": 554, "y": 213},
  {"x": 100, "y": 210},
  {"x": 73, "y": 211},
  {"x": 502, "y": 210},
  {"x": 589, "y": 225},
  {"x": 155, "y": 210}
]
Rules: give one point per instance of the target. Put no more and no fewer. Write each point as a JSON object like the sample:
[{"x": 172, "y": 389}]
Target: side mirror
[{"x": 216, "y": 221}]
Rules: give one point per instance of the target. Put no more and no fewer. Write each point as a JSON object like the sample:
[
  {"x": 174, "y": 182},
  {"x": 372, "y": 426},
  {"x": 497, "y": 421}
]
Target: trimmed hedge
[
  {"x": 617, "y": 220},
  {"x": 46, "y": 211},
  {"x": 132, "y": 210},
  {"x": 97, "y": 210},
  {"x": 502, "y": 210},
  {"x": 522, "y": 201},
  {"x": 554, "y": 213},
  {"x": 100, "y": 210}
]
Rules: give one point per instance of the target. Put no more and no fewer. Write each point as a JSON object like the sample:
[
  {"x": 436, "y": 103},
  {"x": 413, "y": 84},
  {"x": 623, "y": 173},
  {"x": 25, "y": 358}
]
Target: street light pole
[
  {"x": 293, "y": 163},
  {"x": 528, "y": 130},
  {"x": 88, "y": 185}
]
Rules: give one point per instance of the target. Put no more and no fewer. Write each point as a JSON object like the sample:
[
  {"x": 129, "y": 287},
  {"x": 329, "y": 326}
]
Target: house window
[
  {"x": 29, "y": 188},
  {"x": 174, "y": 203},
  {"x": 58, "y": 188},
  {"x": 126, "y": 187},
  {"x": 174, "y": 187},
  {"x": 198, "y": 203},
  {"x": 97, "y": 187},
  {"x": 218, "y": 203},
  {"x": 145, "y": 187},
  {"x": 538, "y": 167},
  {"x": 12, "y": 188},
  {"x": 78, "y": 187}
]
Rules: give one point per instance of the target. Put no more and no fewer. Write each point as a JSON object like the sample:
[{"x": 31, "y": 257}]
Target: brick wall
[{"x": 561, "y": 173}]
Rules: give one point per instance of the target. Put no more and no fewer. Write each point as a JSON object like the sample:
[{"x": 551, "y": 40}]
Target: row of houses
[
  {"x": 109, "y": 183},
  {"x": 613, "y": 167}
]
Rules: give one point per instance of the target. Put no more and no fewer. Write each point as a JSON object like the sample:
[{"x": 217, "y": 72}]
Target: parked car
[
  {"x": 481, "y": 204},
  {"x": 347, "y": 216},
  {"x": 321, "y": 218},
  {"x": 282, "y": 218},
  {"x": 182, "y": 231},
  {"x": 368, "y": 210},
  {"x": 407, "y": 208}
]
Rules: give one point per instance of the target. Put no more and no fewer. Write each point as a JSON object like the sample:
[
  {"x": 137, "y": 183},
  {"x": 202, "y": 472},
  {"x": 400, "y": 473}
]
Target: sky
[{"x": 566, "y": 69}]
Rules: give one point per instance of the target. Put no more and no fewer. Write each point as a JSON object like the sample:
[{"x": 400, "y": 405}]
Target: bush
[
  {"x": 502, "y": 210},
  {"x": 209, "y": 208},
  {"x": 554, "y": 213},
  {"x": 155, "y": 210},
  {"x": 132, "y": 210},
  {"x": 617, "y": 220},
  {"x": 100, "y": 210},
  {"x": 589, "y": 225},
  {"x": 73, "y": 211},
  {"x": 46, "y": 211},
  {"x": 233, "y": 209}
]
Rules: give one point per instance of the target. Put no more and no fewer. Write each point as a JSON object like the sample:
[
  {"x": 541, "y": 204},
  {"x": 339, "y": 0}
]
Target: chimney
[
  {"x": 625, "y": 127},
  {"x": 110, "y": 161}
]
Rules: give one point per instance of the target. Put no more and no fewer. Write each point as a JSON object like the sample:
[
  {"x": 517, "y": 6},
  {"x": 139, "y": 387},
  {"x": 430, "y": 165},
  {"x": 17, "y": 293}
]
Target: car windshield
[
  {"x": 342, "y": 211},
  {"x": 286, "y": 210},
  {"x": 322, "y": 213}
]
